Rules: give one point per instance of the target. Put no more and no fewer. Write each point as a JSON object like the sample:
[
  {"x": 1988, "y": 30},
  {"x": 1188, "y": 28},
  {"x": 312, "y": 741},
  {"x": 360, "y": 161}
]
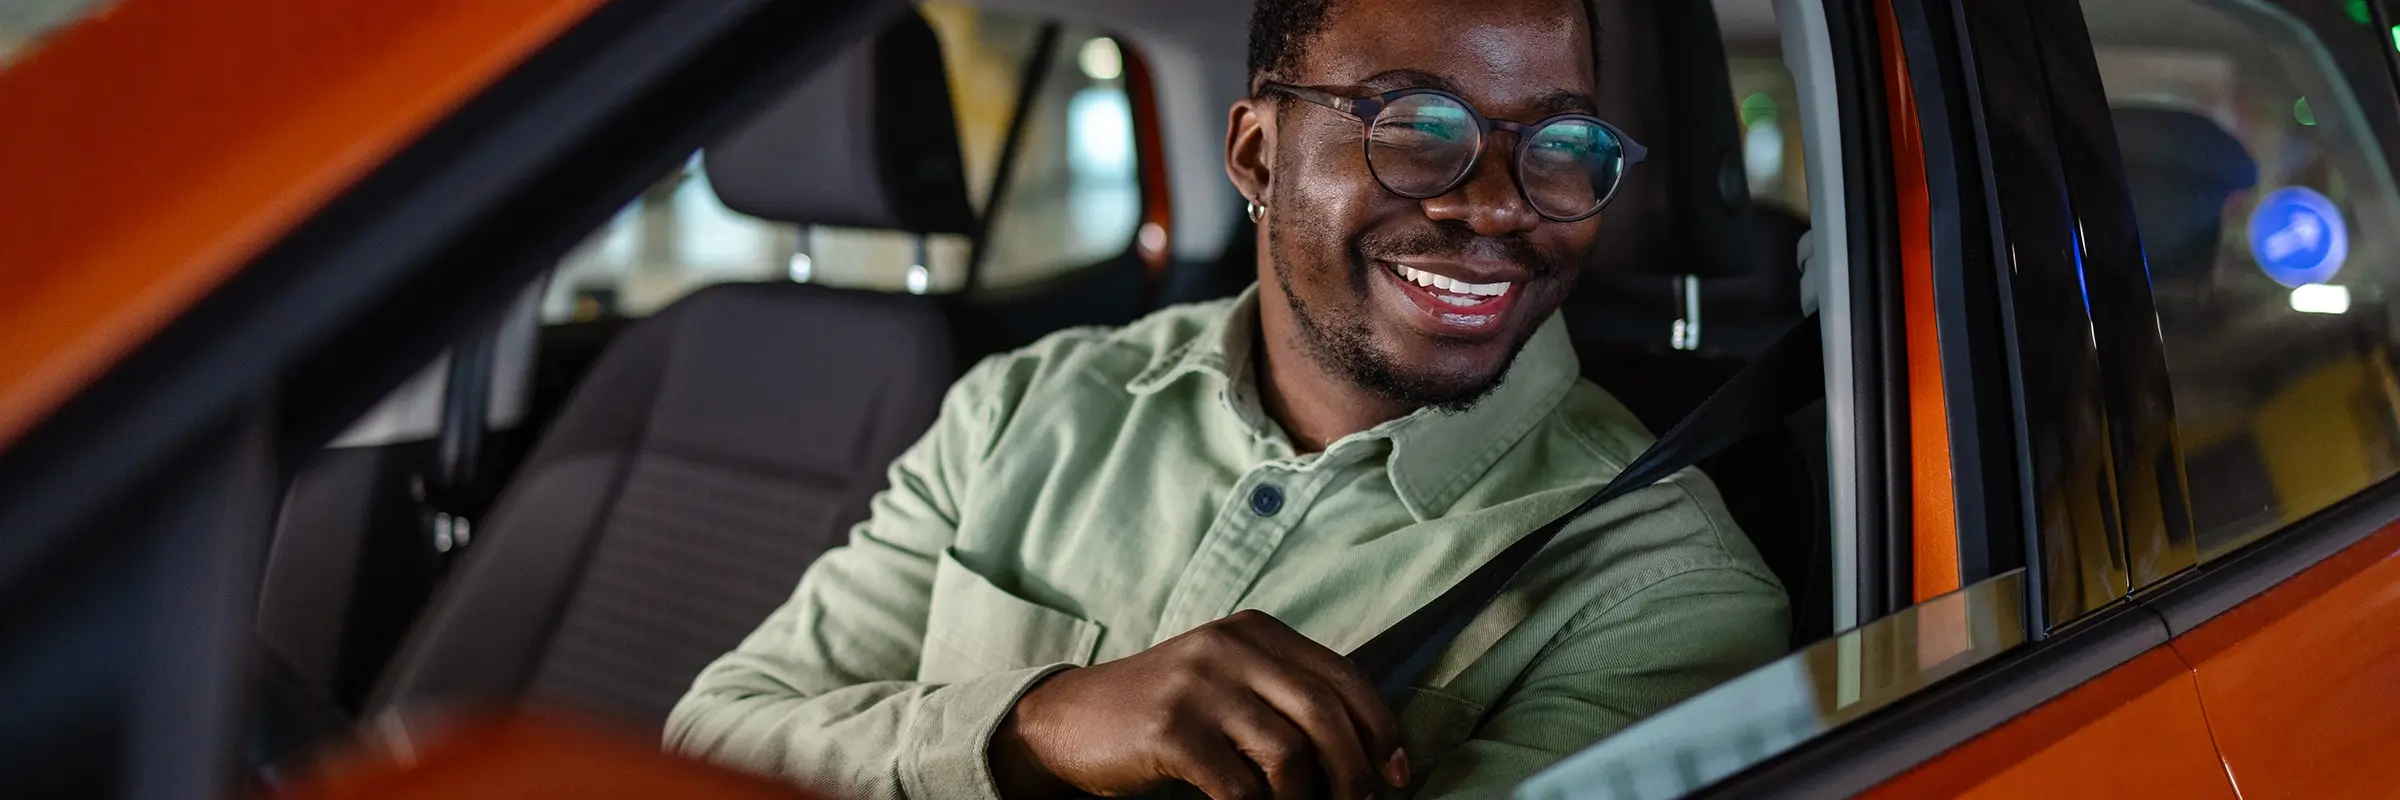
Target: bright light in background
[
  {"x": 1762, "y": 157},
  {"x": 1152, "y": 237},
  {"x": 918, "y": 279},
  {"x": 1762, "y": 144},
  {"x": 1101, "y": 60},
  {"x": 1099, "y": 135},
  {"x": 803, "y": 268},
  {"x": 712, "y": 240},
  {"x": 2319, "y": 298},
  {"x": 2302, "y": 114}
]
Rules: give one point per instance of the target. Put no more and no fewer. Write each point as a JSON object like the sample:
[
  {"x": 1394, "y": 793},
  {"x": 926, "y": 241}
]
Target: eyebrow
[
  {"x": 1405, "y": 78},
  {"x": 1549, "y": 102},
  {"x": 1561, "y": 101}
]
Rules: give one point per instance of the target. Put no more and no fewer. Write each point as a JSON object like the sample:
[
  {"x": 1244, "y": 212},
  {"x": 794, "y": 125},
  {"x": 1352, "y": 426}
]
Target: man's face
[{"x": 1350, "y": 257}]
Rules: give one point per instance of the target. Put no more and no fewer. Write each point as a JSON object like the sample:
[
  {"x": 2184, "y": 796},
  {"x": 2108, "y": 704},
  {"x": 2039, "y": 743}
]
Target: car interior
[{"x": 582, "y": 505}]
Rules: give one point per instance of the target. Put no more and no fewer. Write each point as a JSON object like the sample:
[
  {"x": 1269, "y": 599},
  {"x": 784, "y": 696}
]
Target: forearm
[{"x": 886, "y": 739}]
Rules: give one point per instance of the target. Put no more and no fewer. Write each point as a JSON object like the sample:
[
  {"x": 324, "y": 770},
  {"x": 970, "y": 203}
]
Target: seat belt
[
  {"x": 1784, "y": 378},
  {"x": 451, "y": 492}
]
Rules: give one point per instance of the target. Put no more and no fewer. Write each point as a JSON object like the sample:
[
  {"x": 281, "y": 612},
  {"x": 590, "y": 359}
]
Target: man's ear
[{"x": 1250, "y": 147}]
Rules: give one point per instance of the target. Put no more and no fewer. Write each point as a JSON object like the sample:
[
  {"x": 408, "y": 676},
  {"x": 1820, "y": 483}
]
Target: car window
[
  {"x": 1808, "y": 694},
  {"x": 1768, "y": 101},
  {"x": 1073, "y": 199},
  {"x": 2270, "y": 224}
]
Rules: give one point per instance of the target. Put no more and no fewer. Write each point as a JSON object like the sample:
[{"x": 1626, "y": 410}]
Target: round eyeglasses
[{"x": 1425, "y": 142}]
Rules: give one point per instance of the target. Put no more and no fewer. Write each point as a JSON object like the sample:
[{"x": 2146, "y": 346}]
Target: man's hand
[{"x": 1242, "y": 707}]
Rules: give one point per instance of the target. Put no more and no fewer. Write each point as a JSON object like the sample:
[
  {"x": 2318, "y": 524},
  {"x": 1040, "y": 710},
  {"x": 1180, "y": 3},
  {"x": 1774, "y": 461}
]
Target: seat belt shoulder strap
[{"x": 1784, "y": 378}]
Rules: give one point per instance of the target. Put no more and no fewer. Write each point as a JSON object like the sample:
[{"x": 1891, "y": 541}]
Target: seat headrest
[
  {"x": 866, "y": 141},
  {"x": 2181, "y": 171},
  {"x": 1663, "y": 78}
]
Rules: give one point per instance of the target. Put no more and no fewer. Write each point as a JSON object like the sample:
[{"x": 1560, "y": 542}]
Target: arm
[
  {"x": 1675, "y": 638},
  {"x": 823, "y": 693}
]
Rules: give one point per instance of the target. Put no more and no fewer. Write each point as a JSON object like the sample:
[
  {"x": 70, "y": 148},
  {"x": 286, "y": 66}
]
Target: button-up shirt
[{"x": 1099, "y": 492}]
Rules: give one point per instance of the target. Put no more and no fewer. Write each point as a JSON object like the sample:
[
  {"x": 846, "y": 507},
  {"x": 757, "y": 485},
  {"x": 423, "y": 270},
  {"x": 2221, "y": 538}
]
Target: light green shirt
[{"x": 1097, "y": 493}]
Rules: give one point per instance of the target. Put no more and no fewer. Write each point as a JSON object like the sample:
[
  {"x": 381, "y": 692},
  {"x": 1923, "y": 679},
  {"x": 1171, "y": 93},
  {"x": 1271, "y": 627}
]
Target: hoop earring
[{"x": 1258, "y": 212}]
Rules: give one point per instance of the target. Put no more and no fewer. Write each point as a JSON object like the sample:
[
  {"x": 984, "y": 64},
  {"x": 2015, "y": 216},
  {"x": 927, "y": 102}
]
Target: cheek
[
  {"x": 1570, "y": 245},
  {"x": 1327, "y": 175}
]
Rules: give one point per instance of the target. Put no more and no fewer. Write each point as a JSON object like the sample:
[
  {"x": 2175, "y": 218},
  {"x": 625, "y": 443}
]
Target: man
[{"x": 1129, "y": 561}]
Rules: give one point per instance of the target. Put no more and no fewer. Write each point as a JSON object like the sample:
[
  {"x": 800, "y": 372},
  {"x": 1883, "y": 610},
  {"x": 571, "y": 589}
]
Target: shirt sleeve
[
  {"x": 824, "y": 694},
  {"x": 1665, "y": 642}
]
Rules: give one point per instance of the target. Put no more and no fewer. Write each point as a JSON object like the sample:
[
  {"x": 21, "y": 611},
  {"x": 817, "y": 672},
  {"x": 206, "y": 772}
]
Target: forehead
[{"x": 1491, "y": 51}]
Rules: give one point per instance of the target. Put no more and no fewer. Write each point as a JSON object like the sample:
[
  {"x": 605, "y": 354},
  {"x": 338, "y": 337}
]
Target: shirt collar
[{"x": 1436, "y": 456}]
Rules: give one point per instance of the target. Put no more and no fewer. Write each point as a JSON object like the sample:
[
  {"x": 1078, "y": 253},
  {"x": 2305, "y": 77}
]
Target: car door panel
[
  {"x": 2137, "y": 729},
  {"x": 2302, "y": 683}
]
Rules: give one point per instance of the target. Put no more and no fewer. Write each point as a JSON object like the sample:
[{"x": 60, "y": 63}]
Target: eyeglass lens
[{"x": 1422, "y": 145}]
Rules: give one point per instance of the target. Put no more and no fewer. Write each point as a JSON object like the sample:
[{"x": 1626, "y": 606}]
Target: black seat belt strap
[
  {"x": 451, "y": 490},
  {"x": 1784, "y": 378}
]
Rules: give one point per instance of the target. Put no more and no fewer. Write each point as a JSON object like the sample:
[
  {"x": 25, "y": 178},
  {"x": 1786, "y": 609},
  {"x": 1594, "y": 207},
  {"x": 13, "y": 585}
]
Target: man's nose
[{"x": 1488, "y": 200}]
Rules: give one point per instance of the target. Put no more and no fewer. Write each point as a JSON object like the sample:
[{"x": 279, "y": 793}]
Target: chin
[{"x": 1442, "y": 375}]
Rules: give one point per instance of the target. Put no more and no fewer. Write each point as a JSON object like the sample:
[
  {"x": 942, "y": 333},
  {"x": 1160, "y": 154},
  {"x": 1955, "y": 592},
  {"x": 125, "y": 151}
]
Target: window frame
[
  {"x": 1149, "y": 168},
  {"x": 2140, "y": 378},
  {"x": 2070, "y": 652}
]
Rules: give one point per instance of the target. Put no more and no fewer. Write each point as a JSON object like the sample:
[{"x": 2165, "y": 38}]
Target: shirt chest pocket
[
  {"x": 977, "y": 629},
  {"x": 1433, "y": 723}
]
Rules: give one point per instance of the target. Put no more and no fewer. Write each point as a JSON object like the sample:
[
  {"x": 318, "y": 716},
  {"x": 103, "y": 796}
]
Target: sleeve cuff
[{"x": 944, "y": 752}]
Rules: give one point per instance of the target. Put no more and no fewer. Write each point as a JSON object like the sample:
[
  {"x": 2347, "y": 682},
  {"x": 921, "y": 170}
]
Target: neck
[{"x": 1315, "y": 404}]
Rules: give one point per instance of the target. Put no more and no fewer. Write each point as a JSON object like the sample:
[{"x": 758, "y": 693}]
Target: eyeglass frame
[{"x": 1366, "y": 109}]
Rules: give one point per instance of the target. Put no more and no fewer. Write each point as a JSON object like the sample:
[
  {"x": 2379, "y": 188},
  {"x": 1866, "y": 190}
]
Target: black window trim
[
  {"x": 2154, "y": 523},
  {"x": 1970, "y": 317},
  {"x": 1885, "y": 580}
]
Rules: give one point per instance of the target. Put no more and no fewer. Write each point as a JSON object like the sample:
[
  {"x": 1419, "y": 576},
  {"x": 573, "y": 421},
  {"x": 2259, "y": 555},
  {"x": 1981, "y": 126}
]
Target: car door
[
  {"x": 2195, "y": 425},
  {"x": 2277, "y": 326},
  {"x": 2238, "y": 150},
  {"x": 2034, "y": 460}
]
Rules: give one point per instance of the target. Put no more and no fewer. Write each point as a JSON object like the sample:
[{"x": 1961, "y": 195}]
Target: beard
[{"x": 1342, "y": 340}]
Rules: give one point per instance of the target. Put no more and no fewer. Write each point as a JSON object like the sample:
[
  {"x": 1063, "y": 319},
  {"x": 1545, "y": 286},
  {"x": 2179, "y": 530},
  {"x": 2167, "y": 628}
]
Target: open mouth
[{"x": 1454, "y": 305}]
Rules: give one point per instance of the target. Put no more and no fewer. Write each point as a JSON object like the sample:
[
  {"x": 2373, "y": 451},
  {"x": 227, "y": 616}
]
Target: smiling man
[{"x": 1129, "y": 561}]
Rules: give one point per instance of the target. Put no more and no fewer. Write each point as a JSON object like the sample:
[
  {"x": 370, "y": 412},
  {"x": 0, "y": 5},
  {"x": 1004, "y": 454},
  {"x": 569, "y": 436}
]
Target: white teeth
[{"x": 1448, "y": 284}]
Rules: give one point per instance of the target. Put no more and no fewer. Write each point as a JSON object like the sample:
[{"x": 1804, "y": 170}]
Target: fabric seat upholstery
[
  {"x": 717, "y": 448},
  {"x": 709, "y": 457},
  {"x": 1687, "y": 214}
]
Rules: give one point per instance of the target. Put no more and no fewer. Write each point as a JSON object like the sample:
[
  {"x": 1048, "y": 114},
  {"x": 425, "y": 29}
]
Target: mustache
[{"x": 1454, "y": 239}]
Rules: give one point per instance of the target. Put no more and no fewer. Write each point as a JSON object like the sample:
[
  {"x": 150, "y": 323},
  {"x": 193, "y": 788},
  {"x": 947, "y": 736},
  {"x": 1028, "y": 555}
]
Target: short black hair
[{"x": 1282, "y": 30}]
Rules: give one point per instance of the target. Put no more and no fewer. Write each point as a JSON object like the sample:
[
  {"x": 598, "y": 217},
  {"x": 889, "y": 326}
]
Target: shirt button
[{"x": 1266, "y": 500}]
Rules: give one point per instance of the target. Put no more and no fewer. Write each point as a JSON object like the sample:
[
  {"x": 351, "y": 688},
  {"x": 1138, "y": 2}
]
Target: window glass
[
  {"x": 1074, "y": 199},
  {"x": 1767, "y": 100},
  {"x": 1806, "y": 695},
  {"x": 2270, "y": 224}
]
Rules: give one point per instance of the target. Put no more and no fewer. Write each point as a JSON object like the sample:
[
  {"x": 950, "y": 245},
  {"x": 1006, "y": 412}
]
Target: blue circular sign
[{"x": 2297, "y": 236}]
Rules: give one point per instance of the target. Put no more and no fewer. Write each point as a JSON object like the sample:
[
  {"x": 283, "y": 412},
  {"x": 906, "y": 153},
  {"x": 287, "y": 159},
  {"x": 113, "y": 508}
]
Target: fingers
[
  {"x": 1374, "y": 729},
  {"x": 1309, "y": 705},
  {"x": 1282, "y": 752},
  {"x": 1218, "y": 769}
]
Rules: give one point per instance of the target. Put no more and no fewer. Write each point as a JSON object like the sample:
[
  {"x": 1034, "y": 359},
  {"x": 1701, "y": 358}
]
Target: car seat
[
  {"x": 717, "y": 448},
  {"x": 1689, "y": 280}
]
